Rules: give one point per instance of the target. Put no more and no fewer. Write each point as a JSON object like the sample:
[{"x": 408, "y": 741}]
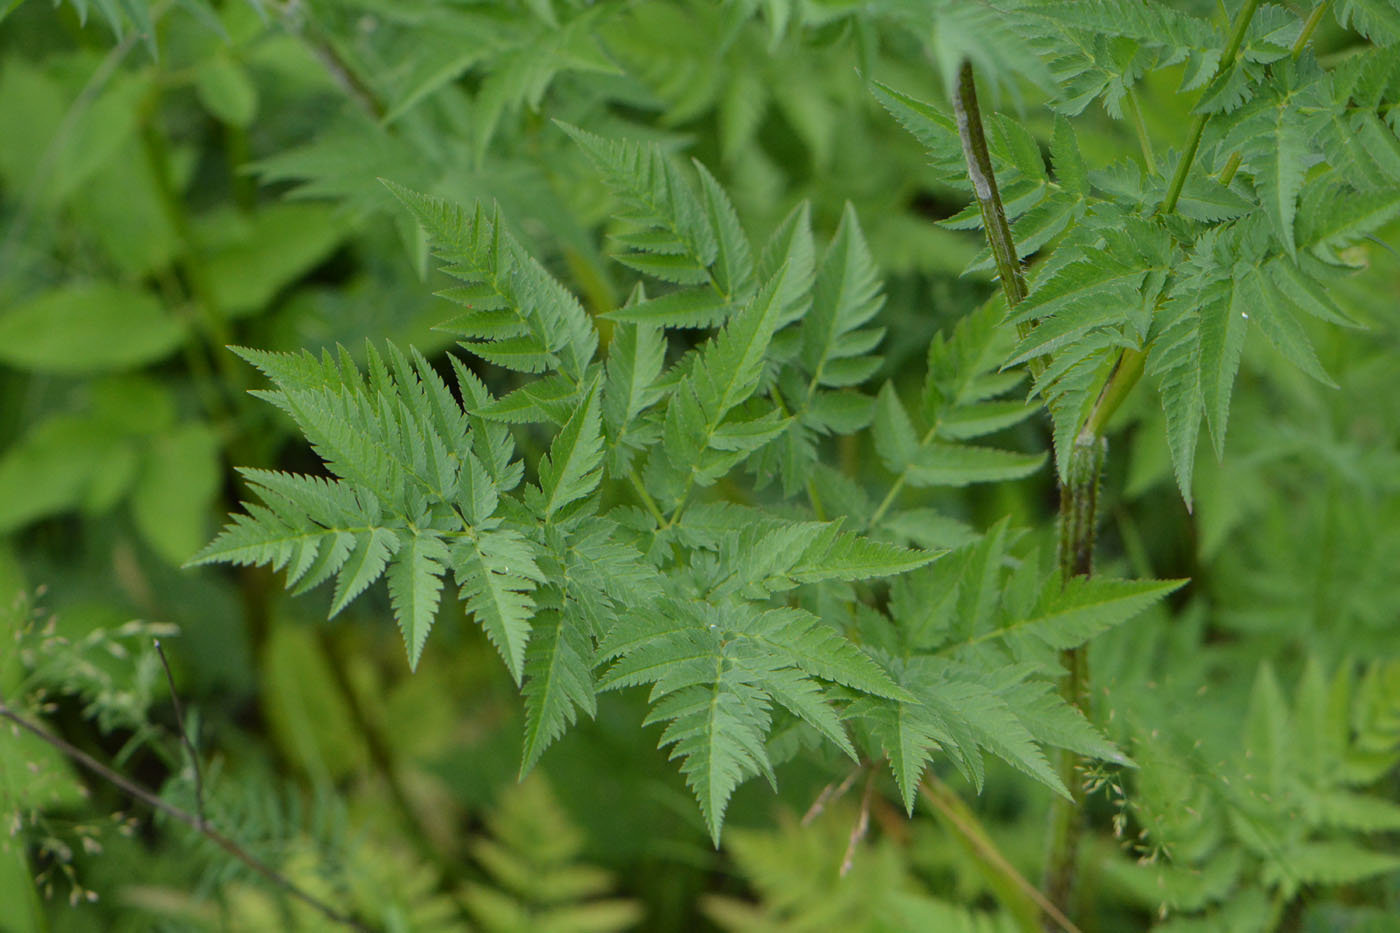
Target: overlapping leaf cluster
[
  {"x": 604, "y": 563},
  {"x": 1297, "y": 163},
  {"x": 1292, "y": 796}
]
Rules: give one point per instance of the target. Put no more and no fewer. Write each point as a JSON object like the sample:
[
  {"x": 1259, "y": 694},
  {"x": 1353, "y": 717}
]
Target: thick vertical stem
[
  {"x": 1079, "y": 494},
  {"x": 1078, "y": 502},
  {"x": 1079, "y": 497},
  {"x": 984, "y": 187}
]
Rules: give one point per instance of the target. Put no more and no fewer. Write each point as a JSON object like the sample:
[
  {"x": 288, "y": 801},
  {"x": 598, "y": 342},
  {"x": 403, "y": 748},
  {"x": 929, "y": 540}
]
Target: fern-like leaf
[
  {"x": 558, "y": 682},
  {"x": 497, "y": 572},
  {"x": 573, "y": 467},
  {"x": 524, "y": 319},
  {"x": 415, "y": 584}
]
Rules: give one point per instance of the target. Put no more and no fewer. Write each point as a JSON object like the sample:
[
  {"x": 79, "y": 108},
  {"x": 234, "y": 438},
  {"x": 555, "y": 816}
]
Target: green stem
[
  {"x": 1309, "y": 28},
  {"x": 1145, "y": 141},
  {"x": 984, "y": 187},
  {"x": 888, "y": 501},
  {"x": 1125, "y": 376},
  {"x": 645, "y": 496},
  {"x": 1078, "y": 506},
  {"x": 900, "y": 480},
  {"x": 1198, "y": 126}
]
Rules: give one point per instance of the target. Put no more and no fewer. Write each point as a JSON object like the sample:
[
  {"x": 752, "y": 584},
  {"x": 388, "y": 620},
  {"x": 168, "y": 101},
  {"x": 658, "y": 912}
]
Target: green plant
[
  {"x": 764, "y": 452},
  {"x": 674, "y": 594}
]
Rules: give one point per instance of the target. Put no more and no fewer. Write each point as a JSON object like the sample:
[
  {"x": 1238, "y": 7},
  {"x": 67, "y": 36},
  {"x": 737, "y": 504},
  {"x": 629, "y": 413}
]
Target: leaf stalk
[
  {"x": 1130, "y": 364},
  {"x": 1198, "y": 126}
]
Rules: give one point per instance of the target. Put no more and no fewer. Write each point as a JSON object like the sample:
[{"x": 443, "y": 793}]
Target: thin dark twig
[
  {"x": 137, "y": 792},
  {"x": 185, "y": 739}
]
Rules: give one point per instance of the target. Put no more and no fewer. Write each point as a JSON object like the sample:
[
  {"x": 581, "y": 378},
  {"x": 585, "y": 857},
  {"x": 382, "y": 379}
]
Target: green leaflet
[
  {"x": 684, "y": 239},
  {"x": 1377, "y": 19},
  {"x": 396, "y": 442},
  {"x": 573, "y": 467},
  {"x": 635, "y": 359},
  {"x": 1076, "y": 611},
  {"x": 921, "y": 460},
  {"x": 546, "y": 327},
  {"x": 834, "y": 353},
  {"x": 496, "y": 574},
  {"x": 559, "y": 681},
  {"x": 716, "y": 680},
  {"x": 656, "y": 195},
  {"x": 415, "y": 582},
  {"x": 724, "y": 374},
  {"x": 952, "y": 710}
]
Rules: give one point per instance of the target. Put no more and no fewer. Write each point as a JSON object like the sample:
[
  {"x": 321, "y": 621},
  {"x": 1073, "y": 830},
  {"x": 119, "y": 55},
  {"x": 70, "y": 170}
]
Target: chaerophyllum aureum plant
[
  {"x": 649, "y": 495},
  {"x": 679, "y": 528}
]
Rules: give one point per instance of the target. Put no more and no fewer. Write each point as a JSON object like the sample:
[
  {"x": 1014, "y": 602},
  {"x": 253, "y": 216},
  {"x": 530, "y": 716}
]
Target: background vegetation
[{"x": 180, "y": 177}]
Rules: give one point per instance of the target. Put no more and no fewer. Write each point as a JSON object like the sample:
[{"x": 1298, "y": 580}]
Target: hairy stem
[
  {"x": 195, "y": 822},
  {"x": 1078, "y": 504},
  {"x": 984, "y": 187},
  {"x": 1078, "y": 497}
]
